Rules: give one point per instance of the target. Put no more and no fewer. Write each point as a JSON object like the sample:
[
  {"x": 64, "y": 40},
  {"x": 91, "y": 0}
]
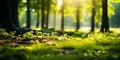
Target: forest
[{"x": 60, "y": 30}]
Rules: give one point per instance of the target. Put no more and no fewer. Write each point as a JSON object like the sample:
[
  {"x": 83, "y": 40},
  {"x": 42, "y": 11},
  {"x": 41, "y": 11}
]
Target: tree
[
  {"x": 77, "y": 16},
  {"x": 55, "y": 5},
  {"x": 48, "y": 12},
  {"x": 62, "y": 21},
  {"x": 9, "y": 14},
  {"x": 105, "y": 24},
  {"x": 38, "y": 13},
  {"x": 43, "y": 14},
  {"x": 93, "y": 16},
  {"x": 28, "y": 22}
]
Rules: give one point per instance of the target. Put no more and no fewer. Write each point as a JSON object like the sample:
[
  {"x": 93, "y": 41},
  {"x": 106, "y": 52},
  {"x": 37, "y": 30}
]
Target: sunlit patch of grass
[
  {"x": 69, "y": 30},
  {"x": 116, "y": 30},
  {"x": 79, "y": 46},
  {"x": 34, "y": 28},
  {"x": 77, "y": 43}
]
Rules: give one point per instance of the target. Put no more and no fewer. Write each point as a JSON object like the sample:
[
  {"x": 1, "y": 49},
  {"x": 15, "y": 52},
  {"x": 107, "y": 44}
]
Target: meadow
[{"x": 56, "y": 46}]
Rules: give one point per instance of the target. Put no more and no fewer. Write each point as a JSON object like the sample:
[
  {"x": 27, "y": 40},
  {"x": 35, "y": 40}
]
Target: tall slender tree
[
  {"x": 28, "y": 22},
  {"x": 77, "y": 16},
  {"x": 43, "y": 14},
  {"x": 62, "y": 17},
  {"x": 48, "y": 12},
  {"x": 93, "y": 16},
  {"x": 38, "y": 13},
  {"x": 54, "y": 12},
  {"x": 105, "y": 23},
  {"x": 38, "y": 18}
]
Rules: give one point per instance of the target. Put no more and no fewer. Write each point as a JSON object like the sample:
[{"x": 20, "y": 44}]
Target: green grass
[{"x": 83, "y": 46}]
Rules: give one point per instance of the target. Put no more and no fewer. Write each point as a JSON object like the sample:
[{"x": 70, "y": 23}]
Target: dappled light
[
  {"x": 60, "y": 30},
  {"x": 60, "y": 3}
]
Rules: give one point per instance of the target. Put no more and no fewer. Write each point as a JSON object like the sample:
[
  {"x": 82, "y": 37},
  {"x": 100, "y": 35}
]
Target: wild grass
[{"x": 80, "y": 46}]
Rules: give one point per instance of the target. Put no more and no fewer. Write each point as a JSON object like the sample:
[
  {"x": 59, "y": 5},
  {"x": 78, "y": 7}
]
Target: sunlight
[
  {"x": 33, "y": 10},
  {"x": 24, "y": 1},
  {"x": 85, "y": 28},
  {"x": 59, "y": 3}
]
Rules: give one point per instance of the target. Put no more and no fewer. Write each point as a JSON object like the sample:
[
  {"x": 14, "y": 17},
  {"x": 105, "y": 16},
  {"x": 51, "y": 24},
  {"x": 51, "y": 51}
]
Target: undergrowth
[{"x": 92, "y": 46}]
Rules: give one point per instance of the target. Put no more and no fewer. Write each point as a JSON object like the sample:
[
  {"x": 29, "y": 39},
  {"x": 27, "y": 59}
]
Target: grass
[{"x": 79, "y": 46}]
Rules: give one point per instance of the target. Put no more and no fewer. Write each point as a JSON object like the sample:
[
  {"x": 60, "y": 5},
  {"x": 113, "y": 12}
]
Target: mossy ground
[{"x": 53, "y": 46}]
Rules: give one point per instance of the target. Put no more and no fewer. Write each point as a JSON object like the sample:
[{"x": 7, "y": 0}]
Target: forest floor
[{"x": 55, "y": 46}]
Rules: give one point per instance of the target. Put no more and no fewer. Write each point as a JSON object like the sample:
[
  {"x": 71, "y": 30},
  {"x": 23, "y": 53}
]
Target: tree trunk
[
  {"x": 93, "y": 17},
  {"x": 5, "y": 14},
  {"x": 43, "y": 15},
  {"x": 77, "y": 18},
  {"x": 47, "y": 18},
  {"x": 105, "y": 24},
  {"x": 62, "y": 21},
  {"x": 9, "y": 14},
  {"x": 14, "y": 12},
  {"x": 38, "y": 15},
  {"x": 48, "y": 12},
  {"x": 38, "y": 21},
  {"x": 54, "y": 25},
  {"x": 28, "y": 22}
]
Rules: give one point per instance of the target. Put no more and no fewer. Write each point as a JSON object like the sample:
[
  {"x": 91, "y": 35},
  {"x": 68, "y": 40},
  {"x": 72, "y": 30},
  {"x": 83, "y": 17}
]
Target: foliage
[
  {"x": 4, "y": 34},
  {"x": 92, "y": 46},
  {"x": 70, "y": 10}
]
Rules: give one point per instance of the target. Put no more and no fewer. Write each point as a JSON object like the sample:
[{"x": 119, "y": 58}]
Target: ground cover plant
[
  {"x": 60, "y": 30},
  {"x": 53, "y": 46}
]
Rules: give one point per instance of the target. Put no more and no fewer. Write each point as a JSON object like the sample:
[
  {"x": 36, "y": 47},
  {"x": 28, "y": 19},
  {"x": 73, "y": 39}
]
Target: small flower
[
  {"x": 99, "y": 51},
  {"x": 85, "y": 54}
]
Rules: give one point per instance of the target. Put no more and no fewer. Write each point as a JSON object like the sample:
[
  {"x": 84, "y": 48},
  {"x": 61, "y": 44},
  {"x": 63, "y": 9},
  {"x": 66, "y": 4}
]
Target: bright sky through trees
[
  {"x": 24, "y": 1},
  {"x": 70, "y": 6},
  {"x": 59, "y": 3}
]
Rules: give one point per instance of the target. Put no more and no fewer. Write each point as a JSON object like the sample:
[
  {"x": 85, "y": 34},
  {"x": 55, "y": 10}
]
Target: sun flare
[{"x": 59, "y": 3}]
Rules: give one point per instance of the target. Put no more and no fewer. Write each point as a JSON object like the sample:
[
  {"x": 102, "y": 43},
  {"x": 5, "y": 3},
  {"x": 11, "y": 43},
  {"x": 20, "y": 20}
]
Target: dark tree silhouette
[
  {"x": 38, "y": 13},
  {"x": 105, "y": 23},
  {"x": 38, "y": 19},
  {"x": 48, "y": 12},
  {"x": 43, "y": 14},
  {"x": 28, "y": 22},
  {"x": 62, "y": 21},
  {"x": 77, "y": 16},
  {"x": 9, "y": 14},
  {"x": 93, "y": 16}
]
